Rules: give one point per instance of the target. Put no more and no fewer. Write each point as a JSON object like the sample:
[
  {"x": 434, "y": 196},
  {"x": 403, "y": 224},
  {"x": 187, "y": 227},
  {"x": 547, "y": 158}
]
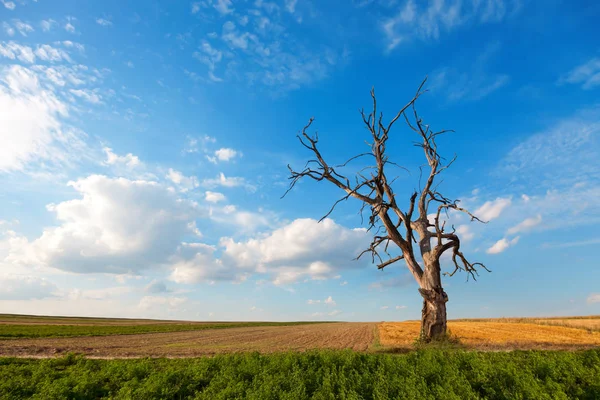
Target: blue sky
[{"x": 145, "y": 144}]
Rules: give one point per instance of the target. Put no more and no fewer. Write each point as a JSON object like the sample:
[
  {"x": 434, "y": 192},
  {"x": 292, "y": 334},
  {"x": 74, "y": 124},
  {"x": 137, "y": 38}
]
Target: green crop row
[
  {"x": 423, "y": 374},
  {"x": 8, "y": 331}
]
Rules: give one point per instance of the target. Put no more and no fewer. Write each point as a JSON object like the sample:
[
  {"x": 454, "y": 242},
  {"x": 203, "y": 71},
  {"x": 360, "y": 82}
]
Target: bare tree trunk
[{"x": 433, "y": 317}]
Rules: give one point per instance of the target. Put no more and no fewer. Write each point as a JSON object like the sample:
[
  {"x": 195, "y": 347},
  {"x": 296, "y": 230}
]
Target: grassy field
[{"x": 426, "y": 374}]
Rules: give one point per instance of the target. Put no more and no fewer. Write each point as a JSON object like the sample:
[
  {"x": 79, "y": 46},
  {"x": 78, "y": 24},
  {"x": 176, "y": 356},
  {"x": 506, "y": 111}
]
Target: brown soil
[{"x": 356, "y": 336}]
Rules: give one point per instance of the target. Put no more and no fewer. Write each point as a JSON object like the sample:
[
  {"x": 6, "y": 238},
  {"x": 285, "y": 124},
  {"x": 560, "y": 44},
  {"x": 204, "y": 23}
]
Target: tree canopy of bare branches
[{"x": 409, "y": 229}]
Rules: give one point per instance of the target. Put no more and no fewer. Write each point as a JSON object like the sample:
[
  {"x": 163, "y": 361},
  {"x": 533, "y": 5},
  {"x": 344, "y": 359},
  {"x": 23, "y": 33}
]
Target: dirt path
[{"x": 357, "y": 336}]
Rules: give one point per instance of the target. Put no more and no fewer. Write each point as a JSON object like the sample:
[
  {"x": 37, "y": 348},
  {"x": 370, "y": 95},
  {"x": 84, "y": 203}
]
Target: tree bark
[{"x": 433, "y": 317}]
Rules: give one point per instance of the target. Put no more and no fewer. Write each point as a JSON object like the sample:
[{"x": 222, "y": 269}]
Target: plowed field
[{"x": 357, "y": 336}]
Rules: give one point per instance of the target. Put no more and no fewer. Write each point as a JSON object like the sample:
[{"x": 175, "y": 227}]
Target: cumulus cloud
[
  {"x": 129, "y": 160},
  {"x": 223, "y": 154},
  {"x": 492, "y": 209},
  {"x": 33, "y": 129},
  {"x": 214, "y": 197},
  {"x": 184, "y": 183},
  {"x": 303, "y": 249},
  {"x": 196, "y": 262},
  {"x": 502, "y": 245},
  {"x": 329, "y": 301},
  {"x": 116, "y": 226}
]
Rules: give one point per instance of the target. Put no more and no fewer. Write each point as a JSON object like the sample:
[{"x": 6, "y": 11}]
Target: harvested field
[
  {"x": 356, "y": 336},
  {"x": 591, "y": 322},
  {"x": 485, "y": 335}
]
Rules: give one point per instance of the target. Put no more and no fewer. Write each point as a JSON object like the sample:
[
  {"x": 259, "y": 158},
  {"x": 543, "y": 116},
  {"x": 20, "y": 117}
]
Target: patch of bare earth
[
  {"x": 484, "y": 335},
  {"x": 356, "y": 336}
]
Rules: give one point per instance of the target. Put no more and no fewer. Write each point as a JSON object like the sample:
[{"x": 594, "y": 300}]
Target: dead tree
[{"x": 409, "y": 229}]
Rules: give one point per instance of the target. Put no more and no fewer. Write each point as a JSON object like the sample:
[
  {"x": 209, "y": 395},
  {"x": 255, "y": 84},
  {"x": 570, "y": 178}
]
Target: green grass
[
  {"x": 424, "y": 374},
  {"x": 12, "y": 331}
]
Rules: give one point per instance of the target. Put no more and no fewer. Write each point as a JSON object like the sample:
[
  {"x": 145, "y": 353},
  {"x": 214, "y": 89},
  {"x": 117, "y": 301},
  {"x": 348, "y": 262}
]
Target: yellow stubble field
[{"x": 504, "y": 334}]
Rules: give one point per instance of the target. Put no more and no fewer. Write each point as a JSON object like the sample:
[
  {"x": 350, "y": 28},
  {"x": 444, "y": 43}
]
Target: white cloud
[
  {"x": 69, "y": 27},
  {"x": 222, "y": 180},
  {"x": 310, "y": 301},
  {"x": 195, "y": 145},
  {"x": 492, "y": 209},
  {"x": 401, "y": 307},
  {"x": 195, "y": 8},
  {"x": 23, "y": 287},
  {"x": 429, "y": 20},
  {"x": 587, "y": 74},
  {"x": 52, "y": 54},
  {"x": 558, "y": 156},
  {"x": 214, "y": 197},
  {"x": 9, "y": 4},
  {"x": 128, "y": 160},
  {"x": 22, "y": 27},
  {"x": 303, "y": 249},
  {"x": 344, "y": 283},
  {"x": 12, "y": 50},
  {"x": 290, "y": 5},
  {"x": 116, "y": 226},
  {"x": 465, "y": 233},
  {"x": 195, "y": 262},
  {"x": 245, "y": 221},
  {"x": 103, "y": 22},
  {"x": 593, "y": 298},
  {"x": 222, "y": 6},
  {"x": 87, "y": 95},
  {"x": 184, "y": 183},
  {"x": 525, "y": 225},
  {"x": 502, "y": 245},
  {"x": 33, "y": 128},
  {"x": 334, "y": 313},
  {"x": 329, "y": 301},
  {"x": 225, "y": 154},
  {"x": 8, "y": 29},
  {"x": 384, "y": 307},
  {"x": 129, "y": 64},
  {"x": 47, "y": 24}
]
